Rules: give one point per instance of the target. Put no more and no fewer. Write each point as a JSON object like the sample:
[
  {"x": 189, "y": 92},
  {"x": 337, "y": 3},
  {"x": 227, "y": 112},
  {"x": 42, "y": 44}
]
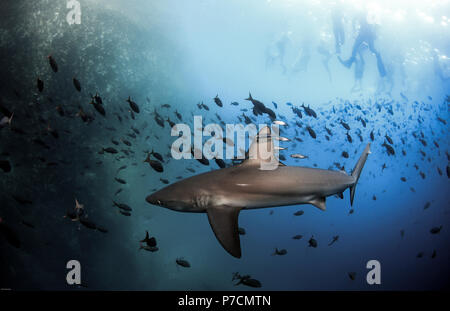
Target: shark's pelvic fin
[
  {"x": 357, "y": 170},
  {"x": 224, "y": 222},
  {"x": 319, "y": 203}
]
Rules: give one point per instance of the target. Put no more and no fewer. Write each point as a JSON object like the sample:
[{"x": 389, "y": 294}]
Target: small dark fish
[
  {"x": 433, "y": 255},
  {"x": 363, "y": 122},
  {"x": 312, "y": 242},
  {"x": 98, "y": 107},
  {"x": 280, "y": 252},
  {"x": 311, "y": 132},
  {"x": 118, "y": 191},
  {"x": 77, "y": 84},
  {"x": 241, "y": 231},
  {"x": 122, "y": 206},
  {"x": 202, "y": 160},
  {"x": 349, "y": 138},
  {"x": 389, "y": 139},
  {"x": 389, "y": 149},
  {"x": 157, "y": 166},
  {"x": 97, "y": 98},
  {"x": 125, "y": 213},
  {"x": 420, "y": 255},
  {"x": 435, "y": 230},
  {"x": 235, "y": 103},
  {"x": 442, "y": 120},
  {"x": 352, "y": 275},
  {"x": 299, "y": 213},
  {"x": 164, "y": 181},
  {"x": 157, "y": 155},
  {"x": 133, "y": 105},
  {"x": 220, "y": 162},
  {"x": 151, "y": 242},
  {"x": 345, "y": 154},
  {"x": 88, "y": 224},
  {"x": 181, "y": 261},
  {"x": 403, "y": 179},
  {"x": 178, "y": 115},
  {"x": 110, "y": 150},
  {"x": 345, "y": 125},
  {"x": 40, "y": 85},
  {"x": 172, "y": 124},
  {"x": 205, "y": 107},
  {"x": 52, "y": 63},
  {"x": 218, "y": 101},
  {"x": 372, "y": 137},
  {"x": 297, "y": 237},
  {"x": 334, "y": 240},
  {"x": 159, "y": 120},
  {"x": 121, "y": 181},
  {"x": 246, "y": 280}
]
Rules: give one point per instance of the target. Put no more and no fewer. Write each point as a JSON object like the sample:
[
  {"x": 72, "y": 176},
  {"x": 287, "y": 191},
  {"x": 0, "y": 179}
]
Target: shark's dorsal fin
[
  {"x": 261, "y": 151},
  {"x": 224, "y": 222},
  {"x": 319, "y": 203}
]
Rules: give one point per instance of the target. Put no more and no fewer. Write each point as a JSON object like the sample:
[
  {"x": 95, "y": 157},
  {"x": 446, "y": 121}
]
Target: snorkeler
[
  {"x": 303, "y": 57},
  {"x": 359, "y": 72},
  {"x": 276, "y": 51},
  {"x": 437, "y": 66},
  {"x": 366, "y": 35},
  {"x": 326, "y": 56},
  {"x": 338, "y": 28}
]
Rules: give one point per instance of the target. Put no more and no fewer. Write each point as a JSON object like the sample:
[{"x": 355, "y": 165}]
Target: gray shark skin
[{"x": 223, "y": 193}]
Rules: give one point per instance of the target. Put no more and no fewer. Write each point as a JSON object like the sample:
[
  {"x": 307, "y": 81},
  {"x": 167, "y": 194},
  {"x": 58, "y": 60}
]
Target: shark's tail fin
[
  {"x": 249, "y": 96},
  {"x": 357, "y": 171}
]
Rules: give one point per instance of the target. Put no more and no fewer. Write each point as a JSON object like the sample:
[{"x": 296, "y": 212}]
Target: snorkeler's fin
[{"x": 347, "y": 63}]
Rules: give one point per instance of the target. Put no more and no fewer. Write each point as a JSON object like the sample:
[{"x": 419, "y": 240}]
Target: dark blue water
[{"x": 182, "y": 54}]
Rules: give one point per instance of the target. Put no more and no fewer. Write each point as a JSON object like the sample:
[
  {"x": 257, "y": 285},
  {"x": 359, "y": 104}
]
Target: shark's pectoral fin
[
  {"x": 319, "y": 203},
  {"x": 224, "y": 222}
]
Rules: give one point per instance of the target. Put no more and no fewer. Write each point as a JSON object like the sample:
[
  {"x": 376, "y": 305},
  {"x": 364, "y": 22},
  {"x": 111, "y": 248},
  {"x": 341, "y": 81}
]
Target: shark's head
[{"x": 174, "y": 197}]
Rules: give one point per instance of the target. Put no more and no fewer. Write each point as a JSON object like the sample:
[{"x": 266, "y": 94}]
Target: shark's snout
[{"x": 153, "y": 199}]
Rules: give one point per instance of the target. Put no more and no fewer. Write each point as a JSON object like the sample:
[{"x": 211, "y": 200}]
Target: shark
[{"x": 223, "y": 193}]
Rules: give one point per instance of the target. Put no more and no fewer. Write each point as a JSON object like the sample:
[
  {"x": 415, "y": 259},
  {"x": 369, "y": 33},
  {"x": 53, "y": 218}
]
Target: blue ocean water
[{"x": 171, "y": 56}]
